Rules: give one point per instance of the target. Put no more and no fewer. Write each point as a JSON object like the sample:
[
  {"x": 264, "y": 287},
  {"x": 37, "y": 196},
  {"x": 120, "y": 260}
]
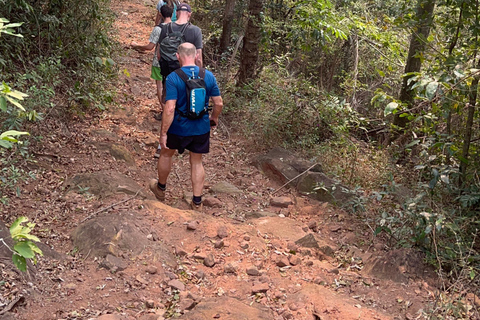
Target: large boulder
[
  {"x": 120, "y": 234},
  {"x": 105, "y": 184},
  {"x": 398, "y": 265},
  {"x": 307, "y": 177}
]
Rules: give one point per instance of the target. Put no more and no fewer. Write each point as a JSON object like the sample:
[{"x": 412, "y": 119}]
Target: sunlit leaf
[
  {"x": 13, "y": 25},
  {"x": 35, "y": 248},
  {"x": 17, "y": 94},
  {"x": 413, "y": 143},
  {"x": 431, "y": 89},
  {"x": 15, "y": 103},
  {"x": 8, "y": 138},
  {"x": 16, "y": 227},
  {"x": 392, "y": 106},
  {"x": 24, "y": 249},
  {"x": 444, "y": 178},
  {"x": 458, "y": 74}
]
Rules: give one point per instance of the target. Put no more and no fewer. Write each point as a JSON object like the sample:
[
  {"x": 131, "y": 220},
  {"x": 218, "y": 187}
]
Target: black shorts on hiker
[{"x": 195, "y": 144}]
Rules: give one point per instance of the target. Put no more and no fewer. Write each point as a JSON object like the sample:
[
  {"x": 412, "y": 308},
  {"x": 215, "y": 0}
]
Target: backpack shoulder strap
[
  {"x": 181, "y": 74},
  {"x": 185, "y": 27},
  {"x": 169, "y": 28},
  {"x": 201, "y": 72}
]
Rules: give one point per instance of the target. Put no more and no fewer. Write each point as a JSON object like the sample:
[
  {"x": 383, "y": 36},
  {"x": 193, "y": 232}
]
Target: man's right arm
[
  {"x": 217, "y": 108},
  {"x": 167, "y": 119},
  {"x": 144, "y": 48}
]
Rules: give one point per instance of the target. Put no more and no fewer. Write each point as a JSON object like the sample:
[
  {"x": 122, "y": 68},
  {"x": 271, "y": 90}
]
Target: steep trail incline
[{"x": 238, "y": 259}]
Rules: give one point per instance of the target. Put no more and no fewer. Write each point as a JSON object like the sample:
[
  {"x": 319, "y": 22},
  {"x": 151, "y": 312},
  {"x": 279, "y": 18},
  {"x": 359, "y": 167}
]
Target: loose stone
[
  {"x": 209, "y": 260},
  {"x": 252, "y": 271},
  {"x": 177, "y": 284}
]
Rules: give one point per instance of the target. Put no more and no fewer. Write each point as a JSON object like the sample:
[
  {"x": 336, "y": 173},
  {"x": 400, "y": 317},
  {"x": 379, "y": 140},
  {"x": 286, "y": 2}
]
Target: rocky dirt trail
[{"x": 113, "y": 252}]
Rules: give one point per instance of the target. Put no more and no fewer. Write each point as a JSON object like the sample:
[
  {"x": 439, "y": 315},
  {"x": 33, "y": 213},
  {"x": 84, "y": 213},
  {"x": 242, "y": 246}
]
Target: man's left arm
[
  {"x": 198, "y": 43},
  {"x": 167, "y": 119}
]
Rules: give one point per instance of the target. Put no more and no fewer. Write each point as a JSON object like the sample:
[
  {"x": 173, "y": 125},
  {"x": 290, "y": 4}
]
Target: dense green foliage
[
  {"x": 59, "y": 52},
  {"x": 331, "y": 74},
  {"x": 56, "y": 53}
]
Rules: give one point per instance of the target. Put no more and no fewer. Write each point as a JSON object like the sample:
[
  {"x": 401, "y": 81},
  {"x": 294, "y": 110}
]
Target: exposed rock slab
[
  {"x": 324, "y": 303},
  {"x": 226, "y": 308},
  {"x": 320, "y": 187},
  {"x": 308, "y": 241},
  {"x": 117, "y": 151},
  {"x": 105, "y": 184},
  {"x": 282, "y": 165},
  {"x": 259, "y": 214},
  {"x": 281, "y": 202},
  {"x": 279, "y": 227},
  {"x": 397, "y": 265},
  {"x": 126, "y": 115},
  {"x": 119, "y": 234},
  {"x": 225, "y": 187},
  {"x": 102, "y": 133}
]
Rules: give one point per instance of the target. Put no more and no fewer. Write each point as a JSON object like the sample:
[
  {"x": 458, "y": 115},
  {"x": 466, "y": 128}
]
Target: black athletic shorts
[{"x": 195, "y": 144}]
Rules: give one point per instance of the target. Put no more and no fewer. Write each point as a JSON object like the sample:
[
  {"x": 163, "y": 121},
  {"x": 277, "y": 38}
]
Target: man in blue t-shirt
[{"x": 180, "y": 133}]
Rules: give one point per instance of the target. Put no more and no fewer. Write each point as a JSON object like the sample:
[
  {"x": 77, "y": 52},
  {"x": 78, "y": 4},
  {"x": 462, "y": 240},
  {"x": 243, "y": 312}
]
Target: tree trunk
[
  {"x": 227, "y": 25},
  {"x": 453, "y": 43},
  {"x": 472, "y": 101},
  {"x": 420, "y": 33},
  {"x": 249, "y": 58}
]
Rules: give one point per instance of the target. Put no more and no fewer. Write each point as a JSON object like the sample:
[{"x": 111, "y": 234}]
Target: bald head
[
  {"x": 187, "y": 49},
  {"x": 186, "y": 53}
]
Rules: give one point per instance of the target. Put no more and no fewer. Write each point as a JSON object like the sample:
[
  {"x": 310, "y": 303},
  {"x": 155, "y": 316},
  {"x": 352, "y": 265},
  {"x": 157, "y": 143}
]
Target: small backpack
[
  {"x": 197, "y": 103},
  {"x": 168, "y": 49}
]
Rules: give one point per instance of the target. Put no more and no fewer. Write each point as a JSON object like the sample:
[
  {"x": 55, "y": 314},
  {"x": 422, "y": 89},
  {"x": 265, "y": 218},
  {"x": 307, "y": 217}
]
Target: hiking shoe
[
  {"x": 158, "y": 116},
  {"x": 197, "y": 207},
  {"x": 159, "y": 194},
  {"x": 157, "y": 154}
]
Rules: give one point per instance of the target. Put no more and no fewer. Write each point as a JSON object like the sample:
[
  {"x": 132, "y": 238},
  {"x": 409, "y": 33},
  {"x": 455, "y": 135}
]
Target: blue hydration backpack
[{"x": 197, "y": 103}]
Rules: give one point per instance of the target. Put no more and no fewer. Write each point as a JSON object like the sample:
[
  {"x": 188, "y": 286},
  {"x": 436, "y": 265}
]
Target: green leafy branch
[
  {"x": 13, "y": 96},
  {"x": 9, "y": 95},
  {"x": 24, "y": 246},
  {"x": 6, "y": 27}
]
